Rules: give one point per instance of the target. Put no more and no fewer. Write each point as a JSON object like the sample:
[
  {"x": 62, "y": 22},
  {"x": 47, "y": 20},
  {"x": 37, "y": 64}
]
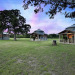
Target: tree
[
  {"x": 55, "y": 6},
  {"x": 26, "y": 28},
  {"x": 53, "y": 36},
  {"x": 14, "y": 22},
  {"x": 18, "y": 23},
  {"x": 2, "y": 22},
  {"x": 10, "y": 21}
]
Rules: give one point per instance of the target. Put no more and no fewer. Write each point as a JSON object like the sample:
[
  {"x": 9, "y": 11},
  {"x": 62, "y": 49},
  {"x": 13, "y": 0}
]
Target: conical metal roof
[{"x": 39, "y": 31}]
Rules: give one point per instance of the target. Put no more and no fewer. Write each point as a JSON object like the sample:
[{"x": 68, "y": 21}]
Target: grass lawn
[{"x": 25, "y": 57}]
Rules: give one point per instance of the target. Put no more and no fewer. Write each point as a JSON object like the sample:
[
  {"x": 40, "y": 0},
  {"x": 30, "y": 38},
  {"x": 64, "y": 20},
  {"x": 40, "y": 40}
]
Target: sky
[{"x": 40, "y": 20}]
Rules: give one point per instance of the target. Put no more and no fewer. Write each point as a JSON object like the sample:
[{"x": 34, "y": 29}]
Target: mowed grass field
[{"x": 25, "y": 57}]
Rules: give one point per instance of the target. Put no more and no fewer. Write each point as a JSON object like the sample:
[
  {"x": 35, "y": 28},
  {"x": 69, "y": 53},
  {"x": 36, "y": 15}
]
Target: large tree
[
  {"x": 18, "y": 23},
  {"x": 3, "y": 16},
  {"x": 14, "y": 22},
  {"x": 55, "y": 6}
]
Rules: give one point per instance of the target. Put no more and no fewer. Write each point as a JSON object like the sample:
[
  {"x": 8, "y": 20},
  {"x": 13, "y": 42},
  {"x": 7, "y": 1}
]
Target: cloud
[
  {"x": 40, "y": 20},
  {"x": 55, "y": 25}
]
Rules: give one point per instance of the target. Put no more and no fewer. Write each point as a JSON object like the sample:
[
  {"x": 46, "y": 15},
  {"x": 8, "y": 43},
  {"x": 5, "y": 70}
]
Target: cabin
[
  {"x": 5, "y": 36},
  {"x": 38, "y": 35},
  {"x": 68, "y": 35}
]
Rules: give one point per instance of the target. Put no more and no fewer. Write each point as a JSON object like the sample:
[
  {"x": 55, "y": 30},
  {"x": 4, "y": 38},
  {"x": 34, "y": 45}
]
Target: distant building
[
  {"x": 38, "y": 35},
  {"x": 5, "y": 36},
  {"x": 68, "y": 35}
]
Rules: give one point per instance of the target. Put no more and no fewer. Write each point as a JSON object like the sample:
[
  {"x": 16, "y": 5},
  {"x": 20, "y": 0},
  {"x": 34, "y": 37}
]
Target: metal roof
[
  {"x": 71, "y": 28},
  {"x": 66, "y": 31},
  {"x": 39, "y": 31},
  {"x": 5, "y": 33}
]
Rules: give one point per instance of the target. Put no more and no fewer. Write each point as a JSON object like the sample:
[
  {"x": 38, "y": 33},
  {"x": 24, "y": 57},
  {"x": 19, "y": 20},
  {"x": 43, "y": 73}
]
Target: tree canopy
[
  {"x": 14, "y": 22},
  {"x": 55, "y": 6}
]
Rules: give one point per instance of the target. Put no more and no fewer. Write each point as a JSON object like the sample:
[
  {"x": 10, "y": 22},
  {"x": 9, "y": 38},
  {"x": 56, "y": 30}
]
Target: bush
[
  {"x": 53, "y": 36},
  {"x": 20, "y": 36}
]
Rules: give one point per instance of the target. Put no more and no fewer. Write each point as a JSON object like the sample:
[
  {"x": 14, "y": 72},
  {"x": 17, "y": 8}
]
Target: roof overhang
[{"x": 66, "y": 32}]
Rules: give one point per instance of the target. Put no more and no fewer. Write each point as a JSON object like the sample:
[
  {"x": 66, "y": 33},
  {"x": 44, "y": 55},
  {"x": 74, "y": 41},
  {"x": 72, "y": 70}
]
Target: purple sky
[{"x": 40, "y": 20}]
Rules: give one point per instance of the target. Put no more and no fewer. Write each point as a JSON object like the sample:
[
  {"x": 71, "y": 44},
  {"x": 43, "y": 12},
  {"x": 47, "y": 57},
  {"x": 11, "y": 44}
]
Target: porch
[
  {"x": 67, "y": 37},
  {"x": 38, "y": 37}
]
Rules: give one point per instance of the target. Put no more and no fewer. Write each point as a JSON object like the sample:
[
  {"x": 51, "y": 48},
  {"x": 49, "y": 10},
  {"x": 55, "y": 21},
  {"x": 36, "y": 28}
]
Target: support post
[
  {"x": 63, "y": 38},
  {"x": 74, "y": 38},
  {"x": 38, "y": 36},
  {"x": 67, "y": 39},
  {"x": 30, "y": 37},
  {"x": 59, "y": 37}
]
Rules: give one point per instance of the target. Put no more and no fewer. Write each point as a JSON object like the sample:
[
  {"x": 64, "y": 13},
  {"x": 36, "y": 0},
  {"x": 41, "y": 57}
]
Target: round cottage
[{"x": 38, "y": 35}]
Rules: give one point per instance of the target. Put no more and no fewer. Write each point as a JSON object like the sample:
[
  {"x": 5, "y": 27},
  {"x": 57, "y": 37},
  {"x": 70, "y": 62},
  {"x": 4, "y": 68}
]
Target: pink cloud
[
  {"x": 1, "y": 9},
  {"x": 55, "y": 25}
]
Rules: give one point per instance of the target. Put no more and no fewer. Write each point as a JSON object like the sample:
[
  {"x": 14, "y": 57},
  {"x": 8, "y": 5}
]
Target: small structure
[
  {"x": 68, "y": 35},
  {"x": 54, "y": 43},
  {"x": 38, "y": 35},
  {"x": 5, "y": 36}
]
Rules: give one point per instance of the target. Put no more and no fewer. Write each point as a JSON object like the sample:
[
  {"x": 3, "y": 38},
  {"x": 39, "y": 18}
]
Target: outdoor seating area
[
  {"x": 68, "y": 35},
  {"x": 38, "y": 35}
]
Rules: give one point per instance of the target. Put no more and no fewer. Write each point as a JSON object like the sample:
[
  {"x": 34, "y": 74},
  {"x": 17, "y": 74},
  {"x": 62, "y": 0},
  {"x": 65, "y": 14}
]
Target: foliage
[
  {"x": 53, "y": 36},
  {"x": 3, "y": 21},
  {"x": 28, "y": 36},
  {"x": 20, "y": 36},
  {"x": 26, "y": 28},
  {"x": 14, "y": 22},
  {"x": 55, "y": 6}
]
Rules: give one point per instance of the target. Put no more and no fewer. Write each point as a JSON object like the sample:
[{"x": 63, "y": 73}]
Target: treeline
[
  {"x": 20, "y": 36},
  {"x": 53, "y": 36},
  {"x": 28, "y": 36}
]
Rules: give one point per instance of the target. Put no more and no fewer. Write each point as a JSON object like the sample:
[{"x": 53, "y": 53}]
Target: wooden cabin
[
  {"x": 68, "y": 35},
  {"x": 38, "y": 35},
  {"x": 5, "y": 36}
]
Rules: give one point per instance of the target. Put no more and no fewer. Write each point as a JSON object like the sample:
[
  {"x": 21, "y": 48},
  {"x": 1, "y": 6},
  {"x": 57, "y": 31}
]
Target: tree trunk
[
  {"x": 14, "y": 36},
  {"x": 2, "y": 35}
]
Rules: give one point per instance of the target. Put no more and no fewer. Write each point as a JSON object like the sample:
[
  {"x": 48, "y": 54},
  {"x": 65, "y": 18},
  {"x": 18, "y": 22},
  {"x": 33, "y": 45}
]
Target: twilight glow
[{"x": 40, "y": 20}]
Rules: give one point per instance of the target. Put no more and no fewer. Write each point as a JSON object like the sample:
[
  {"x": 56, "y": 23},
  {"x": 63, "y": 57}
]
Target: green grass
[{"x": 25, "y": 57}]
